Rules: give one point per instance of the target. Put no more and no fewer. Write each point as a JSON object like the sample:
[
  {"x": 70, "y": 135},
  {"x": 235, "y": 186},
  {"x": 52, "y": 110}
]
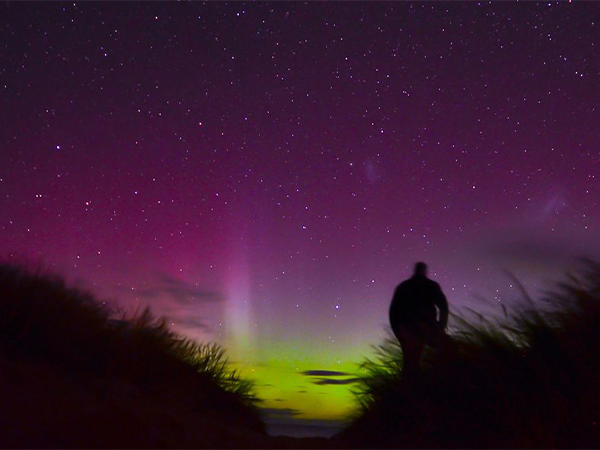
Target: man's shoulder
[
  {"x": 415, "y": 282},
  {"x": 433, "y": 283},
  {"x": 404, "y": 284}
]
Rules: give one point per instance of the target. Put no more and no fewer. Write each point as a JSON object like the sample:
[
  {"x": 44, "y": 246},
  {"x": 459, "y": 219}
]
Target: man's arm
[
  {"x": 395, "y": 306},
  {"x": 442, "y": 305}
]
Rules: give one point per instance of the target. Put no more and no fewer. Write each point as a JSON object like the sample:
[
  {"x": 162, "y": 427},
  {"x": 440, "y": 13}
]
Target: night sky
[{"x": 265, "y": 174}]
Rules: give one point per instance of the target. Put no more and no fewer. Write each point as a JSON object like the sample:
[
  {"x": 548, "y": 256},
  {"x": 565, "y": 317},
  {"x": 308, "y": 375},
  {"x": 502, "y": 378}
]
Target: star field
[{"x": 265, "y": 174}]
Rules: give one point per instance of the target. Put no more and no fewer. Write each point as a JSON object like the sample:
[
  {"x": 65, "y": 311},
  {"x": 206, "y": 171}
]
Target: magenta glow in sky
[{"x": 265, "y": 174}]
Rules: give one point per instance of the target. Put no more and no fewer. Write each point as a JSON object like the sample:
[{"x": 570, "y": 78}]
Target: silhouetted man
[{"x": 414, "y": 317}]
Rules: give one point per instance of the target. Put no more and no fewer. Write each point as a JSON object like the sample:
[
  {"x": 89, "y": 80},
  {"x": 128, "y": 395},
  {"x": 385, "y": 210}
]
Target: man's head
[{"x": 421, "y": 269}]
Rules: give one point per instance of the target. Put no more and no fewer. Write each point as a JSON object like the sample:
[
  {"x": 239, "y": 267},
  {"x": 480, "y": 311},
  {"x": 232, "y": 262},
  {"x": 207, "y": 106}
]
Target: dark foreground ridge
[{"x": 73, "y": 376}]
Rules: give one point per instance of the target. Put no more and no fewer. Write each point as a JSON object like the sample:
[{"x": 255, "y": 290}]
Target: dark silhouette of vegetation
[
  {"x": 529, "y": 379},
  {"x": 73, "y": 375}
]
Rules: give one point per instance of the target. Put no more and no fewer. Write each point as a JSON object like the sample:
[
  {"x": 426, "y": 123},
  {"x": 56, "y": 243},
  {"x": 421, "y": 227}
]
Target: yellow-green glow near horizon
[{"x": 281, "y": 384}]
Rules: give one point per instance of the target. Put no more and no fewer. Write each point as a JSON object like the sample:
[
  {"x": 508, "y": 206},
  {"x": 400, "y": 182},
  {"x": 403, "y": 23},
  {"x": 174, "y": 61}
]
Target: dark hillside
[{"x": 73, "y": 376}]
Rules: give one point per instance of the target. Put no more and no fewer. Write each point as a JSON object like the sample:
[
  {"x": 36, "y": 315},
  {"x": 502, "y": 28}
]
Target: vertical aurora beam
[{"x": 240, "y": 336}]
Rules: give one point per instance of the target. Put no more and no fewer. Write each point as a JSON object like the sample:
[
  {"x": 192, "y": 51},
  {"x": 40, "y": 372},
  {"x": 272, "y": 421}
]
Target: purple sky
[{"x": 265, "y": 174}]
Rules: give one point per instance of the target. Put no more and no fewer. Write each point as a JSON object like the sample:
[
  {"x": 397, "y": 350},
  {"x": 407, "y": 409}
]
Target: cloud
[
  {"x": 288, "y": 416},
  {"x": 191, "y": 308},
  {"x": 324, "y": 377},
  {"x": 193, "y": 322},
  {"x": 324, "y": 373},
  {"x": 534, "y": 249},
  {"x": 280, "y": 413},
  {"x": 180, "y": 291},
  {"x": 325, "y": 381}
]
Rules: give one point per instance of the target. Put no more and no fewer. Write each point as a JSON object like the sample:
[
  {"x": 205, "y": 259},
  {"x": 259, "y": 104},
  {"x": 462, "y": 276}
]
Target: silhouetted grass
[
  {"x": 531, "y": 379},
  {"x": 49, "y": 328}
]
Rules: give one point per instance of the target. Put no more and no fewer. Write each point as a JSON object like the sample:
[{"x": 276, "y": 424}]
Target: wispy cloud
[
  {"x": 193, "y": 322},
  {"x": 534, "y": 248},
  {"x": 180, "y": 291},
  {"x": 290, "y": 416},
  {"x": 324, "y": 373},
  {"x": 324, "y": 377},
  {"x": 280, "y": 413},
  {"x": 325, "y": 381},
  {"x": 191, "y": 308}
]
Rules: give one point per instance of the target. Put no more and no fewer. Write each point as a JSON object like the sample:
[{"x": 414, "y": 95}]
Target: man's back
[
  {"x": 415, "y": 301},
  {"x": 414, "y": 318}
]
